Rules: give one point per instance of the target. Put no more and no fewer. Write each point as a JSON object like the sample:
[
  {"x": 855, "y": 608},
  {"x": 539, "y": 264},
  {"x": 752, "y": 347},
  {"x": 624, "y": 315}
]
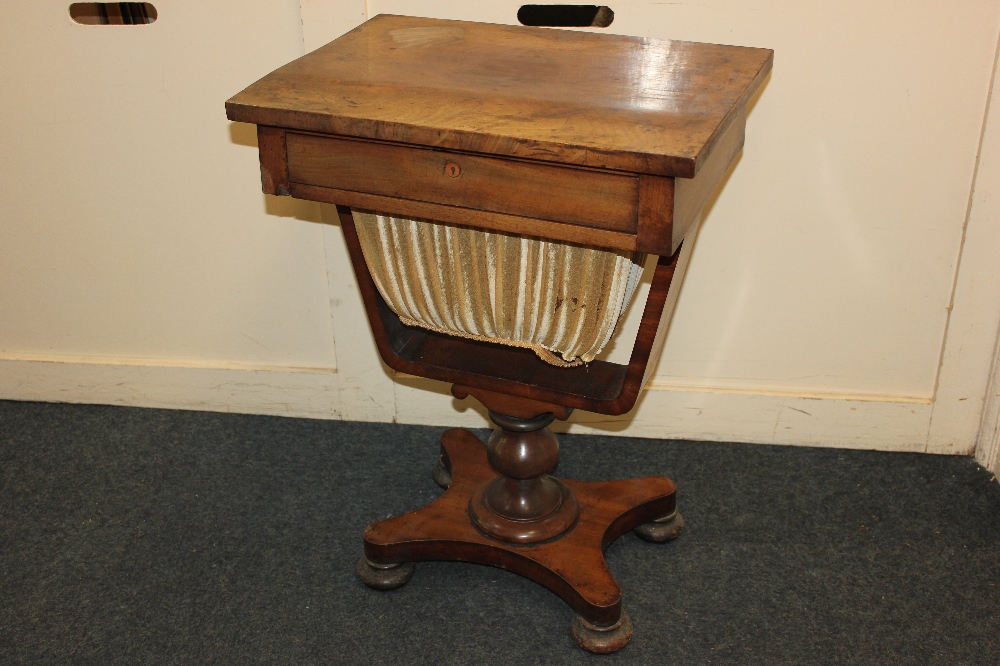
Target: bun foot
[
  {"x": 602, "y": 640},
  {"x": 384, "y": 576},
  {"x": 661, "y": 530},
  {"x": 440, "y": 473}
]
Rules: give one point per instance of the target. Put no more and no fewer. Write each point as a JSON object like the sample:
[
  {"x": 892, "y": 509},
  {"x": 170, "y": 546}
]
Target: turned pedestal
[{"x": 501, "y": 508}]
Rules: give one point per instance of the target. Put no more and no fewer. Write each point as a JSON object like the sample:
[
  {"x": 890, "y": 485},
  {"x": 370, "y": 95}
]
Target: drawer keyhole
[{"x": 452, "y": 170}]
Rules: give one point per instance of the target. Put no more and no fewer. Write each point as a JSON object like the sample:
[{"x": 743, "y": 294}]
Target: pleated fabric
[{"x": 561, "y": 300}]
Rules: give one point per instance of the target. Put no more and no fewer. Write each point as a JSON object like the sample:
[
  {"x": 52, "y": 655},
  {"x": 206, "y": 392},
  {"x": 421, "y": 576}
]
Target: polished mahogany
[{"x": 603, "y": 140}]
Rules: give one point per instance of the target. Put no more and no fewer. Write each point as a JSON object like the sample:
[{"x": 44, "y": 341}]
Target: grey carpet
[{"x": 141, "y": 536}]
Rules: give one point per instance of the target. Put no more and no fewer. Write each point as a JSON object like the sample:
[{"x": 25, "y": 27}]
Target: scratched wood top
[{"x": 610, "y": 101}]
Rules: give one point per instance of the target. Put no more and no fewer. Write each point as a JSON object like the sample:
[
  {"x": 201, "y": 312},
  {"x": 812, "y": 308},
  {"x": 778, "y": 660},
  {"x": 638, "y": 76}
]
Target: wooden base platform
[{"x": 571, "y": 564}]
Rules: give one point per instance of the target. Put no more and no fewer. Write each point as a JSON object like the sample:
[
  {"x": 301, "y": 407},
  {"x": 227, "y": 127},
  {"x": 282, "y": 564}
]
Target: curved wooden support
[{"x": 518, "y": 374}]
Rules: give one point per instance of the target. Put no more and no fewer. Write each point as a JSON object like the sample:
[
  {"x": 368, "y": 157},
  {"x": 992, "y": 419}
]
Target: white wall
[
  {"x": 826, "y": 302},
  {"x": 133, "y": 222},
  {"x": 133, "y": 227}
]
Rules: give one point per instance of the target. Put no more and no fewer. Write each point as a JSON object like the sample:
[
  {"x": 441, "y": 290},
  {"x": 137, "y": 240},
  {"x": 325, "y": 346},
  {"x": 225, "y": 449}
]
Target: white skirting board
[
  {"x": 302, "y": 392},
  {"x": 847, "y": 423},
  {"x": 891, "y": 424},
  {"x": 988, "y": 446}
]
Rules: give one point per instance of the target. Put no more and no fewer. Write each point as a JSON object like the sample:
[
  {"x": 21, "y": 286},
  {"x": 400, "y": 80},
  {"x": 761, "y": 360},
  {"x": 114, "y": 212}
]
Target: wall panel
[
  {"x": 825, "y": 304},
  {"x": 133, "y": 224}
]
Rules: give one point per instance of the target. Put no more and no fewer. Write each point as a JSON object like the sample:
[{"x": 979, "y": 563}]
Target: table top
[{"x": 571, "y": 97}]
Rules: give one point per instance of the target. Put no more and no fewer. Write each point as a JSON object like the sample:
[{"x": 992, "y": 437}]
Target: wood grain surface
[
  {"x": 273, "y": 160},
  {"x": 586, "y": 197},
  {"x": 608, "y": 101},
  {"x": 691, "y": 194},
  {"x": 470, "y": 217}
]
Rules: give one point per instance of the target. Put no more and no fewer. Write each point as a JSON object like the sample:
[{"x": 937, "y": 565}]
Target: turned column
[{"x": 523, "y": 504}]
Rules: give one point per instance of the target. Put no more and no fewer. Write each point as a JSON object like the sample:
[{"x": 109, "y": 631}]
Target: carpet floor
[{"x": 145, "y": 536}]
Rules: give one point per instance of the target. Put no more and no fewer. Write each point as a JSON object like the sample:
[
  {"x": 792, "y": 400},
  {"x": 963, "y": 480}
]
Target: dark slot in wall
[
  {"x": 112, "y": 13},
  {"x": 566, "y": 16}
]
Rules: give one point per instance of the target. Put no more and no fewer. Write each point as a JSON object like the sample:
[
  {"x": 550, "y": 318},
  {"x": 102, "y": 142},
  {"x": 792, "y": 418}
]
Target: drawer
[{"x": 583, "y": 197}]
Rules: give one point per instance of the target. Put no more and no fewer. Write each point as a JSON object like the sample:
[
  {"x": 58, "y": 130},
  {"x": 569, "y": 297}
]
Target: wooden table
[{"x": 602, "y": 140}]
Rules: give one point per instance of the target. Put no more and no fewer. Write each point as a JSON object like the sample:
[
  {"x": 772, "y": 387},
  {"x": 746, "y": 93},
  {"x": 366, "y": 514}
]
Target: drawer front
[{"x": 573, "y": 196}]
